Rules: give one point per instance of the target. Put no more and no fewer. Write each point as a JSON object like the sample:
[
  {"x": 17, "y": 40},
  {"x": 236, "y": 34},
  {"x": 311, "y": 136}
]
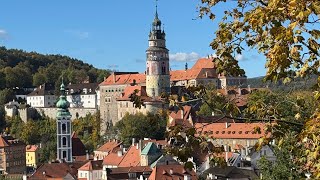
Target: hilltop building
[{"x": 64, "y": 141}]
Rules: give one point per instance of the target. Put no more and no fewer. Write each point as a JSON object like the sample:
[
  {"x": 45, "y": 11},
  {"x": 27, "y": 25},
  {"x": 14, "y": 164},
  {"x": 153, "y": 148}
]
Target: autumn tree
[{"x": 286, "y": 33}]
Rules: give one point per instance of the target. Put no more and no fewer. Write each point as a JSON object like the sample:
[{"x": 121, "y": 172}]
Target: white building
[
  {"x": 82, "y": 95},
  {"x": 92, "y": 170},
  {"x": 43, "y": 96}
]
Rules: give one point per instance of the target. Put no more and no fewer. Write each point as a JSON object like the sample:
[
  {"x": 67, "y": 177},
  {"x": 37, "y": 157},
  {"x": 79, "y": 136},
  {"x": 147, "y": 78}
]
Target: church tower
[
  {"x": 157, "y": 72},
  {"x": 64, "y": 144}
]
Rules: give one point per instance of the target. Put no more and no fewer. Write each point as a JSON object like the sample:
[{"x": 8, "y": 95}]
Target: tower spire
[{"x": 156, "y": 9}]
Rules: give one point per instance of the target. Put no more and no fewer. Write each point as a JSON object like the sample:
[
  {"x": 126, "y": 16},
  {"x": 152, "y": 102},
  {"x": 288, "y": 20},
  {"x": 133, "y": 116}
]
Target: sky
[{"x": 113, "y": 34}]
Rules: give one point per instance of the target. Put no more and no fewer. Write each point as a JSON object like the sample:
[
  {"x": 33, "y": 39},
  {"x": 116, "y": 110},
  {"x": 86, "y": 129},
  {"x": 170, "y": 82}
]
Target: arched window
[
  {"x": 64, "y": 141},
  {"x": 64, "y": 128}
]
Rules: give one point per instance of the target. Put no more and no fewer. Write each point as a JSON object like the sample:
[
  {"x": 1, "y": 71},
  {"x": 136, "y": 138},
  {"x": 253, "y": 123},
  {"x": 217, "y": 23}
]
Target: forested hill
[
  {"x": 297, "y": 84},
  {"x": 24, "y": 69}
]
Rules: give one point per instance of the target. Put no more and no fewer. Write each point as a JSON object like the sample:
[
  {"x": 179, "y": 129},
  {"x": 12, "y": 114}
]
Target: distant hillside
[
  {"x": 24, "y": 69},
  {"x": 297, "y": 84}
]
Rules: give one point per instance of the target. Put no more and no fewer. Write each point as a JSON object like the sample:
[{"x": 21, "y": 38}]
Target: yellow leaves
[
  {"x": 292, "y": 25},
  {"x": 292, "y": 3}
]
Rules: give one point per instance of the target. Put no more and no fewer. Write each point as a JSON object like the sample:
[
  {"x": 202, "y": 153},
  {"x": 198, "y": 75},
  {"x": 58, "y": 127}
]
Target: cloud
[
  {"x": 78, "y": 34},
  {"x": 184, "y": 57},
  {"x": 3, "y": 34},
  {"x": 241, "y": 57}
]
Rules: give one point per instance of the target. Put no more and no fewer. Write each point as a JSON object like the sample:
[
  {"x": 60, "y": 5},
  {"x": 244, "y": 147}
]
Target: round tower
[{"x": 157, "y": 72}]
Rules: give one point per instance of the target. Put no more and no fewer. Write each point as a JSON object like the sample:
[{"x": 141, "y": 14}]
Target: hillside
[
  {"x": 24, "y": 69},
  {"x": 297, "y": 84}
]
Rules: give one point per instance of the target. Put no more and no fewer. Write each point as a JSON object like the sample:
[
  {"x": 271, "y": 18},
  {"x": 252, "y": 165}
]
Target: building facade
[
  {"x": 32, "y": 156},
  {"x": 64, "y": 142},
  {"x": 43, "y": 96},
  {"x": 82, "y": 95},
  {"x": 12, "y": 155}
]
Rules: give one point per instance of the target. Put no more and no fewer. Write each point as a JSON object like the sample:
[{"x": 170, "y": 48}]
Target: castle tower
[
  {"x": 157, "y": 72},
  {"x": 64, "y": 144}
]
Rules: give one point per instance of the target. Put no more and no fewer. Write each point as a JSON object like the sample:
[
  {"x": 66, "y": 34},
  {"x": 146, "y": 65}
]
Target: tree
[
  {"x": 285, "y": 31},
  {"x": 141, "y": 126}
]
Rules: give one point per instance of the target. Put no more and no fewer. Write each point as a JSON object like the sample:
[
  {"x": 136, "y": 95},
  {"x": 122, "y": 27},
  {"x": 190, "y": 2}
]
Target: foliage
[
  {"x": 88, "y": 130},
  {"x": 141, "y": 126},
  {"x": 285, "y": 31},
  {"x": 21, "y": 69}
]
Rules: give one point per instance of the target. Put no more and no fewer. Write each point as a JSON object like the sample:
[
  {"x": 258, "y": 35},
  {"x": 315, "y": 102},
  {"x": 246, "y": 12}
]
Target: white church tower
[
  {"x": 64, "y": 144},
  {"x": 157, "y": 72}
]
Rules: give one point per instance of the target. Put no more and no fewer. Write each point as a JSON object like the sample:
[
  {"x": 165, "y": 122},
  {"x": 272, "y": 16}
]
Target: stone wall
[{"x": 52, "y": 112}]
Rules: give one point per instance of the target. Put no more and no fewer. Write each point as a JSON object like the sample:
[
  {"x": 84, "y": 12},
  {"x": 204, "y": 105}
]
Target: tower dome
[{"x": 63, "y": 104}]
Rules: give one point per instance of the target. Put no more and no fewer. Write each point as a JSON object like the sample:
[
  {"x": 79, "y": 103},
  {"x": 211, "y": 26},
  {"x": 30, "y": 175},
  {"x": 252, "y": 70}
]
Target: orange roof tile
[
  {"x": 131, "y": 158},
  {"x": 3, "y": 142},
  {"x": 113, "y": 159},
  {"x": 129, "y": 90},
  {"x": 109, "y": 146},
  {"x": 204, "y": 63},
  {"x": 233, "y": 131},
  {"x": 31, "y": 148},
  {"x": 118, "y": 78},
  {"x": 171, "y": 172},
  {"x": 177, "y": 117},
  {"x": 92, "y": 165}
]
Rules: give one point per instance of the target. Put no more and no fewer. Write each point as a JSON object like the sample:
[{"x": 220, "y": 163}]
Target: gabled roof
[
  {"x": 124, "y": 78},
  {"x": 43, "y": 89},
  {"x": 150, "y": 148},
  {"x": 181, "y": 117},
  {"x": 3, "y": 142},
  {"x": 109, "y": 146},
  {"x": 31, "y": 148},
  {"x": 230, "y": 172},
  {"x": 123, "y": 172},
  {"x": 54, "y": 170},
  {"x": 204, "y": 63},
  {"x": 231, "y": 130},
  {"x": 113, "y": 159},
  {"x": 92, "y": 165},
  {"x": 131, "y": 158},
  {"x": 78, "y": 148},
  {"x": 171, "y": 172}
]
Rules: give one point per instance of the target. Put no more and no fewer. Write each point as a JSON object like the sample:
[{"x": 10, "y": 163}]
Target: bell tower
[
  {"x": 157, "y": 72},
  {"x": 64, "y": 144}
]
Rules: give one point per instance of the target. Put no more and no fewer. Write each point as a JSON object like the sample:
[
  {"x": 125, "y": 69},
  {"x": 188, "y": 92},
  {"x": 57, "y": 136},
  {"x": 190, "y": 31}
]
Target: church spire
[{"x": 156, "y": 15}]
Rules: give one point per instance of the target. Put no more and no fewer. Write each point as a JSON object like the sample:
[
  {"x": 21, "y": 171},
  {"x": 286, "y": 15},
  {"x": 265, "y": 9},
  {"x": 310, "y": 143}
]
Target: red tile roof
[
  {"x": 233, "y": 131},
  {"x": 177, "y": 117},
  {"x": 31, "y": 148},
  {"x": 109, "y": 146},
  {"x": 3, "y": 142},
  {"x": 131, "y": 158},
  {"x": 119, "y": 78},
  {"x": 92, "y": 165},
  {"x": 6, "y": 141},
  {"x": 54, "y": 170},
  {"x": 171, "y": 172},
  {"x": 129, "y": 90},
  {"x": 113, "y": 159},
  {"x": 204, "y": 63}
]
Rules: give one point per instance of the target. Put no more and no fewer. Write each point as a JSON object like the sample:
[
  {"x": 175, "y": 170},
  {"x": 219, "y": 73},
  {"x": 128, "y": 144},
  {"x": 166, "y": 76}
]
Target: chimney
[
  {"x": 133, "y": 141},
  {"x": 140, "y": 145},
  {"x": 227, "y": 157},
  {"x": 206, "y": 74},
  {"x": 227, "y": 125},
  {"x": 249, "y": 89},
  {"x": 171, "y": 171},
  {"x": 239, "y": 91},
  {"x": 114, "y": 77},
  {"x": 87, "y": 155},
  {"x": 120, "y": 153}
]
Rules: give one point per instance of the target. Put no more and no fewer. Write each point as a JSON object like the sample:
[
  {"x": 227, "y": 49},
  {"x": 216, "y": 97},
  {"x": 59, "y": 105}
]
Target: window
[
  {"x": 64, "y": 128},
  {"x": 64, "y": 141},
  {"x": 64, "y": 154}
]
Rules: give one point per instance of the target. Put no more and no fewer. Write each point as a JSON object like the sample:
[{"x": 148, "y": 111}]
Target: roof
[
  {"x": 171, "y": 172},
  {"x": 113, "y": 159},
  {"x": 55, "y": 170},
  {"x": 150, "y": 148},
  {"x": 162, "y": 143},
  {"x": 181, "y": 117},
  {"x": 131, "y": 158},
  {"x": 231, "y": 130},
  {"x": 7, "y": 141},
  {"x": 92, "y": 165},
  {"x": 123, "y": 172},
  {"x": 31, "y": 148},
  {"x": 109, "y": 146},
  {"x": 179, "y": 75},
  {"x": 78, "y": 148},
  {"x": 79, "y": 88},
  {"x": 122, "y": 78},
  {"x": 129, "y": 90},
  {"x": 230, "y": 172},
  {"x": 204, "y": 63},
  {"x": 44, "y": 89}
]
